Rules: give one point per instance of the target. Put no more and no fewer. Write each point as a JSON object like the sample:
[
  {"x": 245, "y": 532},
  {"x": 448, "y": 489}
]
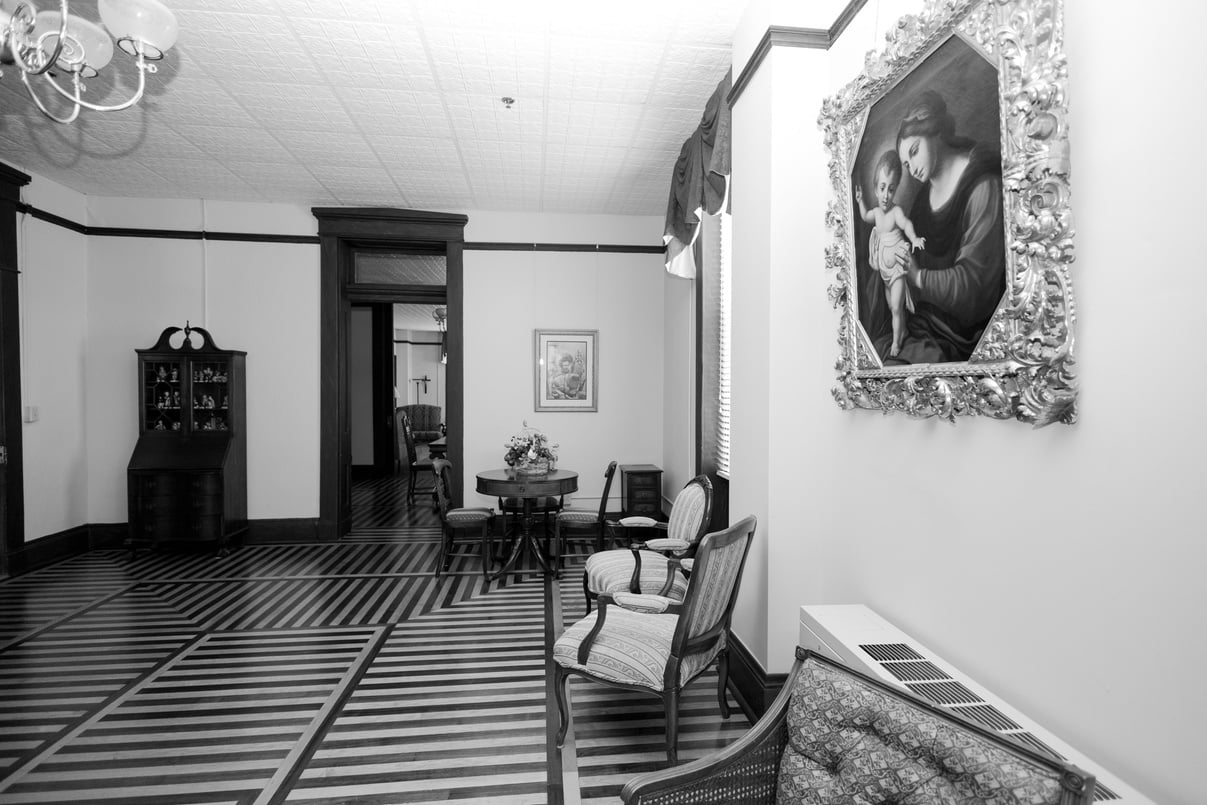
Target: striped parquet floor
[{"x": 308, "y": 673}]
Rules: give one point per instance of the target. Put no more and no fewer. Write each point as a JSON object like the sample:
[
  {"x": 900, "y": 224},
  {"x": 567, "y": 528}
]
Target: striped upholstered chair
[
  {"x": 655, "y": 644},
  {"x": 655, "y": 566}
]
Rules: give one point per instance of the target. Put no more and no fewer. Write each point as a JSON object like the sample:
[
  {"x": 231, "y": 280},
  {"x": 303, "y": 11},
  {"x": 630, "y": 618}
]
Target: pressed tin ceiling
[{"x": 396, "y": 103}]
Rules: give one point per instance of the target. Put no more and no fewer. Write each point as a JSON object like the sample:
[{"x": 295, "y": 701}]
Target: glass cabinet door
[
  {"x": 211, "y": 395},
  {"x": 162, "y": 394}
]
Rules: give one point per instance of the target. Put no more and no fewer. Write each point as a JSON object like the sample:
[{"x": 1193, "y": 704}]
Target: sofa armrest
[{"x": 746, "y": 771}]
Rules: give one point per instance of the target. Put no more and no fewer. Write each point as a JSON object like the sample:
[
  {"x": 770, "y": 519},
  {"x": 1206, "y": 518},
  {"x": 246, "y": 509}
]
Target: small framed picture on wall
[{"x": 565, "y": 370}]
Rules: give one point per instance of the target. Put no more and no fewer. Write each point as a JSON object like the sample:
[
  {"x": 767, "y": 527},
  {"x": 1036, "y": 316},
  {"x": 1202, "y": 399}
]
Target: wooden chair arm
[{"x": 746, "y": 771}]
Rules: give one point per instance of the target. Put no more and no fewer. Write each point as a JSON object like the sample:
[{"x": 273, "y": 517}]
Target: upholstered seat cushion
[
  {"x": 612, "y": 572},
  {"x": 849, "y": 742},
  {"x": 468, "y": 516},
  {"x": 577, "y": 516},
  {"x": 630, "y": 649}
]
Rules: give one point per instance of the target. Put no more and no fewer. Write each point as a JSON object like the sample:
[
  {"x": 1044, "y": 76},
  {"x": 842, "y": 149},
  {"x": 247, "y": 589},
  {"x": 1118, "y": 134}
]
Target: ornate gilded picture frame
[
  {"x": 952, "y": 226},
  {"x": 565, "y": 370}
]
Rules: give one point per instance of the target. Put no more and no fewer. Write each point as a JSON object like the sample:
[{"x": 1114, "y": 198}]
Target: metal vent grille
[
  {"x": 914, "y": 671},
  {"x": 886, "y": 652},
  {"x": 950, "y": 692},
  {"x": 939, "y": 687},
  {"x": 987, "y": 715}
]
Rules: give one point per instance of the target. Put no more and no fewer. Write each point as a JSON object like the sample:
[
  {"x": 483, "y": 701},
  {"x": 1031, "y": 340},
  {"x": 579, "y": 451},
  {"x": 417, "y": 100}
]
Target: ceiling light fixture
[{"x": 44, "y": 43}]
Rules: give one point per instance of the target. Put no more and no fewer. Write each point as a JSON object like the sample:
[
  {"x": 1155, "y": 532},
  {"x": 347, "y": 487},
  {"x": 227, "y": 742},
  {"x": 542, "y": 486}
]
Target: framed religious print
[
  {"x": 565, "y": 370},
  {"x": 952, "y": 223}
]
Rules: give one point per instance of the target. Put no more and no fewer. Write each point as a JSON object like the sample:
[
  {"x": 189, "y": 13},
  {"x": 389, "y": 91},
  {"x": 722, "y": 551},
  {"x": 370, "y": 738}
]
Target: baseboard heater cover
[{"x": 856, "y": 635}]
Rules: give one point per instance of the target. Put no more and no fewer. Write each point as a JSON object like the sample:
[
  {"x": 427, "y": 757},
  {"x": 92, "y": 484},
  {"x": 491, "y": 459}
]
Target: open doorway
[
  {"x": 377, "y": 258},
  {"x": 397, "y": 380}
]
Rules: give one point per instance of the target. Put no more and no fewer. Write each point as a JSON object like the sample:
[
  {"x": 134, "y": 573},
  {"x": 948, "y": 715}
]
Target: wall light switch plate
[{"x": 31, "y": 413}]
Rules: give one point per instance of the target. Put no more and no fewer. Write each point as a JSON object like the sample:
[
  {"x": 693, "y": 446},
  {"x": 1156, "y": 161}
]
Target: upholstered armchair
[
  {"x": 425, "y": 421},
  {"x": 835, "y": 734},
  {"x": 657, "y": 645},
  {"x": 655, "y": 566}
]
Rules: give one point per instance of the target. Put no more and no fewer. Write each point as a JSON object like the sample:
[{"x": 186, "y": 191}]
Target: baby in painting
[{"x": 888, "y": 249}]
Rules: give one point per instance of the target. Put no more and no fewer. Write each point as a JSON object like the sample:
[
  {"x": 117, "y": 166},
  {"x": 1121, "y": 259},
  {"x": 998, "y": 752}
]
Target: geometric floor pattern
[{"x": 314, "y": 673}]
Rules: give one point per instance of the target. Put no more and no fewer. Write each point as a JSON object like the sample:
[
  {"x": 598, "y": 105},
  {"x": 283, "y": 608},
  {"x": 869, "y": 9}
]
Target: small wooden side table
[{"x": 641, "y": 490}]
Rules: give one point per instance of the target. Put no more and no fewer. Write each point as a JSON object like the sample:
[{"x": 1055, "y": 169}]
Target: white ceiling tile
[{"x": 398, "y": 102}]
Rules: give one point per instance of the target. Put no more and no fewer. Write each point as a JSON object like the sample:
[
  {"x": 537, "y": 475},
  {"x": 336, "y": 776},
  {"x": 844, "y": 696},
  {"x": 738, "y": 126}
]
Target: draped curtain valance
[{"x": 699, "y": 183}]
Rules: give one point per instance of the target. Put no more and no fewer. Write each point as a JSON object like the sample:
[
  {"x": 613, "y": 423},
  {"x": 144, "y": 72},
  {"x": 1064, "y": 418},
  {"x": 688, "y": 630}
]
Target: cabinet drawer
[
  {"x": 158, "y": 485},
  {"x": 647, "y": 509},
  {"x": 643, "y": 495},
  {"x": 207, "y": 528},
  {"x": 644, "y": 480},
  {"x": 205, "y": 504},
  {"x": 205, "y": 483},
  {"x": 158, "y": 506}
]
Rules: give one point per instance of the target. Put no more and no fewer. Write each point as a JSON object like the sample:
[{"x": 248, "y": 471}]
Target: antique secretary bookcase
[{"x": 187, "y": 479}]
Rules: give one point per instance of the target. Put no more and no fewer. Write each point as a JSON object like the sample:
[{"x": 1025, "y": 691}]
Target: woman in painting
[{"x": 958, "y": 280}]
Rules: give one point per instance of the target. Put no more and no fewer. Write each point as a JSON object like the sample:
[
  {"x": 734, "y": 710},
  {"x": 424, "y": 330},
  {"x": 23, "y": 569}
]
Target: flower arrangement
[{"x": 530, "y": 448}]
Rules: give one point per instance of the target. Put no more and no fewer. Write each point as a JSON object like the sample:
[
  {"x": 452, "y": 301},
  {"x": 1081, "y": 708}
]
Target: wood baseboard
[
  {"x": 62, "y": 545},
  {"x": 753, "y": 687},
  {"x": 53, "y": 548},
  {"x": 293, "y": 529}
]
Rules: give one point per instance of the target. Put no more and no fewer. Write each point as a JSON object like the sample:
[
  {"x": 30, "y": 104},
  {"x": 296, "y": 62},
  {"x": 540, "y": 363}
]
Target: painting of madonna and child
[{"x": 930, "y": 251}]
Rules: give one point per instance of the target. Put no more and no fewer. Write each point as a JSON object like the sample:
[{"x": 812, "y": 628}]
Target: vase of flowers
[{"x": 529, "y": 452}]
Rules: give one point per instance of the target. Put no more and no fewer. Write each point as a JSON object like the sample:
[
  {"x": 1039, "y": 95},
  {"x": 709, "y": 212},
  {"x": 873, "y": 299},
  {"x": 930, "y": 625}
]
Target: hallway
[{"x": 312, "y": 673}]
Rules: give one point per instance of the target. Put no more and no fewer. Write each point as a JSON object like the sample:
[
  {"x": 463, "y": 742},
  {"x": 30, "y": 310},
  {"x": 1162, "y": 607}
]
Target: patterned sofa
[
  {"x": 835, "y": 735},
  {"x": 425, "y": 421}
]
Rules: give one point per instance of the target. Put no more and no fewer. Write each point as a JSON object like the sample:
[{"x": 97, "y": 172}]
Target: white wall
[
  {"x": 509, "y": 294},
  {"x": 53, "y": 289},
  {"x": 1059, "y": 567},
  {"x": 88, "y": 303}
]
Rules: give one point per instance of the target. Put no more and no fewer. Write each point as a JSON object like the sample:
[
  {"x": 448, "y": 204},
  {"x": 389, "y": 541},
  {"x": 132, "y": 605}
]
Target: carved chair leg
[
  {"x": 487, "y": 550},
  {"x": 723, "y": 681},
  {"x": 443, "y": 558},
  {"x": 670, "y": 703},
  {"x": 560, "y": 677},
  {"x": 555, "y": 556}
]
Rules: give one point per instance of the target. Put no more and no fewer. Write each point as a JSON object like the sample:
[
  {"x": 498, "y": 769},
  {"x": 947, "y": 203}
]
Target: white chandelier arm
[
  {"x": 24, "y": 14},
  {"x": 143, "y": 69},
  {"x": 75, "y": 111}
]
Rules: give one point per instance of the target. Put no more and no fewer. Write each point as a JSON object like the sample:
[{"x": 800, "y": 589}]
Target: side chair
[
  {"x": 584, "y": 521},
  {"x": 477, "y": 521},
  {"x": 654, "y": 644},
  {"x": 654, "y": 566},
  {"x": 415, "y": 465}
]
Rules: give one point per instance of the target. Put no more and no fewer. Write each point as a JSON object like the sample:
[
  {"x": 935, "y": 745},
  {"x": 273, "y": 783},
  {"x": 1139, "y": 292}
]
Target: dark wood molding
[
  {"x": 12, "y": 481},
  {"x": 375, "y": 215},
  {"x": 56, "y": 547},
  {"x": 785, "y": 36},
  {"x": 752, "y": 687},
  {"x": 293, "y": 529},
  {"x": 343, "y": 231},
  {"x": 499, "y": 246}
]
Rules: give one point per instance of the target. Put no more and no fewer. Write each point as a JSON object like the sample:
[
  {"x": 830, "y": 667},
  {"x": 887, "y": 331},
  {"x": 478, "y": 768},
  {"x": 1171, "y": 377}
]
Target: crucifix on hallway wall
[{"x": 417, "y": 380}]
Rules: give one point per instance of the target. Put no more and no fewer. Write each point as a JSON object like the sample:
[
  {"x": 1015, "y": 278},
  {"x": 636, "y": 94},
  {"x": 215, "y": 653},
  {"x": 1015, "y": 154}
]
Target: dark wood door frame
[
  {"x": 341, "y": 231},
  {"x": 12, "y": 497}
]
